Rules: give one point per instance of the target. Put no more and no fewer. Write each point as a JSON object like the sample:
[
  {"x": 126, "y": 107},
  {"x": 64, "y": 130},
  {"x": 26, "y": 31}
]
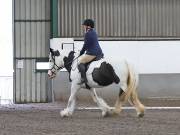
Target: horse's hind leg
[
  {"x": 134, "y": 100},
  {"x": 119, "y": 102},
  {"x": 106, "y": 110}
]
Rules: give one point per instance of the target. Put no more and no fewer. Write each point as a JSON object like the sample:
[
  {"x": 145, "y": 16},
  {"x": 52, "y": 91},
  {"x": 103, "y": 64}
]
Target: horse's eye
[{"x": 50, "y": 60}]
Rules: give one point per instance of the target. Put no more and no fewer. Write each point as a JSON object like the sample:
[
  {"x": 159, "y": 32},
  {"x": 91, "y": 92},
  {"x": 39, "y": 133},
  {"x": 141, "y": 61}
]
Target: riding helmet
[{"x": 88, "y": 22}]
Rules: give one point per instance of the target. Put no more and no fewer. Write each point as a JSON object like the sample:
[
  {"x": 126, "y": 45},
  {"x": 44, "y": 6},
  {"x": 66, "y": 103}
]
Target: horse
[{"x": 100, "y": 73}]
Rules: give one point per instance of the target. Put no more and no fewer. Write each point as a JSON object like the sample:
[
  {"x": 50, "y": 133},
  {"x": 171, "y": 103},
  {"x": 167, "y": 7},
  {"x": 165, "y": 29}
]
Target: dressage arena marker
[{"x": 129, "y": 108}]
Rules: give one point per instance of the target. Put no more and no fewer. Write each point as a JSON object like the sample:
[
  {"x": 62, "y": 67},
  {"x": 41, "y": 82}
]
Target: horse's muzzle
[{"x": 51, "y": 75}]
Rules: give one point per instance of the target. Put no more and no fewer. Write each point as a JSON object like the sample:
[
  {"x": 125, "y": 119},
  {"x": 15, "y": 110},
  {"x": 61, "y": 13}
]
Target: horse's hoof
[
  {"x": 65, "y": 113},
  {"x": 140, "y": 115},
  {"x": 116, "y": 112},
  {"x": 106, "y": 113}
]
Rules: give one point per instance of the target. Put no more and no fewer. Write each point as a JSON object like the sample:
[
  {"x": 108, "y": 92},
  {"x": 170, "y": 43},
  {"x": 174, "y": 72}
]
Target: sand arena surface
[{"x": 44, "y": 119}]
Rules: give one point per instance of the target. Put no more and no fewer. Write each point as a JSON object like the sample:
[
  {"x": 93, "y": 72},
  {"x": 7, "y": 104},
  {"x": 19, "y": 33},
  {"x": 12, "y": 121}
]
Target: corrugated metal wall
[
  {"x": 159, "y": 18},
  {"x": 121, "y": 18},
  {"x": 31, "y": 41}
]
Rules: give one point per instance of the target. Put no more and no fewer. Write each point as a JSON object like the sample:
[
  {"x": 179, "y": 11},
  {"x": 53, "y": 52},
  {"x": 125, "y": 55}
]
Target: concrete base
[{"x": 150, "y": 86}]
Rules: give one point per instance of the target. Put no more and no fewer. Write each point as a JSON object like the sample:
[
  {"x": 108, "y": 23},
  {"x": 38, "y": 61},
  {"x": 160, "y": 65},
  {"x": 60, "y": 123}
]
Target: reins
[
  {"x": 59, "y": 68},
  {"x": 71, "y": 61}
]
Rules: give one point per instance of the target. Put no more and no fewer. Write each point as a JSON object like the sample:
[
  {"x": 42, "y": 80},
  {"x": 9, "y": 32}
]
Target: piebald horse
[{"x": 99, "y": 73}]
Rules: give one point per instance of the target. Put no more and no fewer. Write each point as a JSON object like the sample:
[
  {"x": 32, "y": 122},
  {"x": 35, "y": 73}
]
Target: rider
[{"x": 91, "y": 48}]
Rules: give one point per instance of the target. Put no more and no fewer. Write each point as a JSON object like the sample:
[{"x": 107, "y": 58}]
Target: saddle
[
  {"x": 95, "y": 59},
  {"x": 88, "y": 64}
]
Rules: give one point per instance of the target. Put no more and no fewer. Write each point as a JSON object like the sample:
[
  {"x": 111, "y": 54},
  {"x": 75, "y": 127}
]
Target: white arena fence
[{"x": 6, "y": 89}]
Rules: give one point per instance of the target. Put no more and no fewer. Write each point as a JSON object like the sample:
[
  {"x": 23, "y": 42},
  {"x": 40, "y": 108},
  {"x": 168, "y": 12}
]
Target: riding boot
[{"x": 82, "y": 70}]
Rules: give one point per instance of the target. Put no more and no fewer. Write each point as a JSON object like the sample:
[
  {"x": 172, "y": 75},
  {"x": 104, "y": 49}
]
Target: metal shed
[
  {"x": 36, "y": 21},
  {"x": 31, "y": 42}
]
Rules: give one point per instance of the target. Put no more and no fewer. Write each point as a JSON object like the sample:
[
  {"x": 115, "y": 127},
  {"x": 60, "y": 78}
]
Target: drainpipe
[{"x": 54, "y": 18}]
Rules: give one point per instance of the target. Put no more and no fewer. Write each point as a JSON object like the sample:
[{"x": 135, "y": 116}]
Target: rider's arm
[
  {"x": 87, "y": 43},
  {"x": 82, "y": 50}
]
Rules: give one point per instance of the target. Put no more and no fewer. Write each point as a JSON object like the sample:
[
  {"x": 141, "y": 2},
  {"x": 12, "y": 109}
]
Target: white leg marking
[
  {"x": 68, "y": 111},
  {"x": 101, "y": 103}
]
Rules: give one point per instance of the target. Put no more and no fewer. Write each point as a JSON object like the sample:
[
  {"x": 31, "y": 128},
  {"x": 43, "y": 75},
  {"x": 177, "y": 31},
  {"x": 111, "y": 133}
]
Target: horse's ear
[
  {"x": 56, "y": 53},
  {"x": 71, "y": 55},
  {"x": 51, "y": 50}
]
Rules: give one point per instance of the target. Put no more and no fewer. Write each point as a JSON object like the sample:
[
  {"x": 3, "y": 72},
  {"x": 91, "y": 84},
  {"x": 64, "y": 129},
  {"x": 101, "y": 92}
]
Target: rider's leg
[{"x": 82, "y": 69}]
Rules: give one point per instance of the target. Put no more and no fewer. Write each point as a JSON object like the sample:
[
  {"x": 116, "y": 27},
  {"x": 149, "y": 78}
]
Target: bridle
[{"x": 56, "y": 67}]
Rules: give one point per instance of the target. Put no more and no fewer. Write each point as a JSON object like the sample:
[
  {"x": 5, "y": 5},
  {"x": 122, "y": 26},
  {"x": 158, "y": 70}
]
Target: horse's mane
[{"x": 68, "y": 61}]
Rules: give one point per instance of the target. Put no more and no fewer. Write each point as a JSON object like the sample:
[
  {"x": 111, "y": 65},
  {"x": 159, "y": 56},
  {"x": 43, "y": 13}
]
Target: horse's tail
[
  {"x": 130, "y": 93},
  {"x": 132, "y": 81}
]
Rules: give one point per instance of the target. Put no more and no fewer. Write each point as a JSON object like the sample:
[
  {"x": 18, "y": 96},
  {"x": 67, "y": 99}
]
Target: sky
[{"x": 6, "y": 47}]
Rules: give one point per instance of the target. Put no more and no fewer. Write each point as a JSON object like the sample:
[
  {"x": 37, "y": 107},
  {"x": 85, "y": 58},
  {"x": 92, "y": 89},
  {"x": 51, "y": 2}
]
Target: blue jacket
[{"x": 91, "y": 44}]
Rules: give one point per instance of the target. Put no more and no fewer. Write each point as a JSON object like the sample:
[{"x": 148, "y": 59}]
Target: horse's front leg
[
  {"x": 68, "y": 111},
  {"x": 106, "y": 110}
]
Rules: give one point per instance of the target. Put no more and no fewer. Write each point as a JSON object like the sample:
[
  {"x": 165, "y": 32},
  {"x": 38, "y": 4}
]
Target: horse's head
[{"x": 56, "y": 62}]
